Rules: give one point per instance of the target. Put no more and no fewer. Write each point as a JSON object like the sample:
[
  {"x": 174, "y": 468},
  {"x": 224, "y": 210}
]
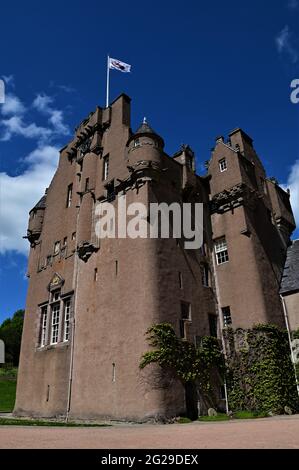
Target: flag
[{"x": 118, "y": 65}]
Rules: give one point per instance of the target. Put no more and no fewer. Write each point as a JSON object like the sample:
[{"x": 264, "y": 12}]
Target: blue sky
[{"x": 199, "y": 69}]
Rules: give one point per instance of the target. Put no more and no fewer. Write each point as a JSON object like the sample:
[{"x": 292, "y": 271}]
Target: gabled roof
[{"x": 290, "y": 277}]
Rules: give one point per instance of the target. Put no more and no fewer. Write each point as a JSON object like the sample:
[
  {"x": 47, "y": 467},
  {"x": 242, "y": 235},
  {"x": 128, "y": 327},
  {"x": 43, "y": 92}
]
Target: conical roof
[{"x": 146, "y": 129}]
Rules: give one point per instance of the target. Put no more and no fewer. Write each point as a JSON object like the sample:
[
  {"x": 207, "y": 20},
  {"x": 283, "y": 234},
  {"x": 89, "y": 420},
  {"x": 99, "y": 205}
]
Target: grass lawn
[{"x": 7, "y": 395}]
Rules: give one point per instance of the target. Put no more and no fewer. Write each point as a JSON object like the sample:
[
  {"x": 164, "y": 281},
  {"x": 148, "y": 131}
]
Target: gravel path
[{"x": 278, "y": 432}]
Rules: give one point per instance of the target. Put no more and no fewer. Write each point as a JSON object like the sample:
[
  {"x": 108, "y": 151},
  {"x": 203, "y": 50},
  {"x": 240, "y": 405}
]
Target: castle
[{"x": 91, "y": 301}]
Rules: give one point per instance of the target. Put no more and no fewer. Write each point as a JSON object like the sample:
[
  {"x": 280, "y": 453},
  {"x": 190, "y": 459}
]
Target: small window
[
  {"x": 136, "y": 143},
  {"x": 204, "y": 268},
  {"x": 86, "y": 184},
  {"x": 74, "y": 236},
  {"x": 180, "y": 280},
  {"x": 67, "y": 314},
  {"x": 213, "y": 324},
  {"x": 95, "y": 274},
  {"x": 116, "y": 267},
  {"x": 65, "y": 241},
  {"x": 44, "y": 318},
  {"x": 185, "y": 318},
  {"x": 221, "y": 251},
  {"x": 222, "y": 165},
  {"x": 56, "y": 247},
  {"x": 226, "y": 315},
  {"x": 105, "y": 167},
  {"x": 55, "y": 295},
  {"x": 69, "y": 195},
  {"x": 55, "y": 323}
]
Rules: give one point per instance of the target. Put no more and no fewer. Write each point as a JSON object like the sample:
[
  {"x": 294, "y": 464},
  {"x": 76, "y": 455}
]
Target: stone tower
[{"x": 91, "y": 301}]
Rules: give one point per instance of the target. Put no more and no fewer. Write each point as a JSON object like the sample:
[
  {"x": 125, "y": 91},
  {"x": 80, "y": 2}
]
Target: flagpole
[{"x": 107, "y": 84}]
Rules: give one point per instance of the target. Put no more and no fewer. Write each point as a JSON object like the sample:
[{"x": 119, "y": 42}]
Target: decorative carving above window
[{"x": 56, "y": 282}]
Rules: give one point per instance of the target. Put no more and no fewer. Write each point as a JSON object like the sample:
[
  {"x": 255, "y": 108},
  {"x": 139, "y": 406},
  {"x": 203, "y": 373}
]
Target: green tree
[
  {"x": 193, "y": 366},
  {"x": 11, "y": 334}
]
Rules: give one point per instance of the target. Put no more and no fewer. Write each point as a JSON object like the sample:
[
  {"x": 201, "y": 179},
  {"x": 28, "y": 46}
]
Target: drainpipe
[
  {"x": 217, "y": 292},
  {"x": 70, "y": 381},
  {"x": 286, "y": 317}
]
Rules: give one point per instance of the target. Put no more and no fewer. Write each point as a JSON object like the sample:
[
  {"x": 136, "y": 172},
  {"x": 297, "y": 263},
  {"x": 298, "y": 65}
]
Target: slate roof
[
  {"x": 290, "y": 277},
  {"x": 145, "y": 128}
]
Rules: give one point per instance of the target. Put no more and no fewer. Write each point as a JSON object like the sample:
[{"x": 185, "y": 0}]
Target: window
[
  {"x": 116, "y": 268},
  {"x": 56, "y": 248},
  {"x": 105, "y": 167},
  {"x": 222, "y": 165},
  {"x": 95, "y": 275},
  {"x": 69, "y": 195},
  {"x": 221, "y": 251},
  {"x": 67, "y": 314},
  {"x": 204, "y": 275},
  {"x": 44, "y": 317},
  {"x": 136, "y": 143},
  {"x": 55, "y": 323},
  {"x": 86, "y": 184},
  {"x": 213, "y": 324},
  {"x": 110, "y": 191},
  {"x": 185, "y": 318},
  {"x": 55, "y": 295},
  {"x": 65, "y": 241},
  {"x": 226, "y": 315},
  {"x": 180, "y": 280},
  {"x": 74, "y": 236}
]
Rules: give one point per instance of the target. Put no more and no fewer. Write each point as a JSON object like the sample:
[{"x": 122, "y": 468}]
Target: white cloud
[
  {"x": 18, "y": 194},
  {"x": 43, "y": 104},
  {"x": 14, "y": 123},
  {"x": 284, "y": 44},
  {"x": 12, "y": 105},
  {"x": 16, "y": 126}
]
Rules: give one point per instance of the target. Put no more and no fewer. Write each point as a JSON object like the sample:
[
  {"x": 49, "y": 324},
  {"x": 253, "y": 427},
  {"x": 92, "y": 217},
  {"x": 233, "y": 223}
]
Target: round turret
[{"x": 145, "y": 145}]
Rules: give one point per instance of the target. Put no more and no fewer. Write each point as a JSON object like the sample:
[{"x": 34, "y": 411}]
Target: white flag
[{"x": 118, "y": 65}]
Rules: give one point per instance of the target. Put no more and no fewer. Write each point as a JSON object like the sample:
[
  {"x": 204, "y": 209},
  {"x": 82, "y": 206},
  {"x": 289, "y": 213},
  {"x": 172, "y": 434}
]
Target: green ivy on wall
[{"x": 260, "y": 373}]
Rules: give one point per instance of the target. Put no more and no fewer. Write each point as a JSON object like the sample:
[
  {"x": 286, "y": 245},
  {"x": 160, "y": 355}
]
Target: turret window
[
  {"x": 136, "y": 143},
  {"x": 221, "y": 251},
  {"x": 222, "y": 165}
]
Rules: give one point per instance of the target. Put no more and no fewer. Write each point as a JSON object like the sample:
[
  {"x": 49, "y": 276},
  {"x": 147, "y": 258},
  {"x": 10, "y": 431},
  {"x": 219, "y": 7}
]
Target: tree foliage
[
  {"x": 11, "y": 334},
  {"x": 187, "y": 362}
]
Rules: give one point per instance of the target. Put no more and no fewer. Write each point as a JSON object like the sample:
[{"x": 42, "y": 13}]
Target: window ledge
[{"x": 61, "y": 345}]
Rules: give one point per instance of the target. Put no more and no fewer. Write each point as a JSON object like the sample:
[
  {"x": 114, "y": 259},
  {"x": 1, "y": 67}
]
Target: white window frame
[
  {"x": 44, "y": 321},
  {"x": 55, "y": 322},
  {"x": 221, "y": 251},
  {"x": 106, "y": 167},
  {"x": 222, "y": 165},
  {"x": 67, "y": 316},
  {"x": 56, "y": 248},
  {"x": 69, "y": 195}
]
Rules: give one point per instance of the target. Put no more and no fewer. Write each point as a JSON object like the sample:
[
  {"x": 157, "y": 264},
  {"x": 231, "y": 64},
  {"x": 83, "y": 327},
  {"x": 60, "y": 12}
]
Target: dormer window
[
  {"x": 222, "y": 165},
  {"x": 136, "y": 143}
]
